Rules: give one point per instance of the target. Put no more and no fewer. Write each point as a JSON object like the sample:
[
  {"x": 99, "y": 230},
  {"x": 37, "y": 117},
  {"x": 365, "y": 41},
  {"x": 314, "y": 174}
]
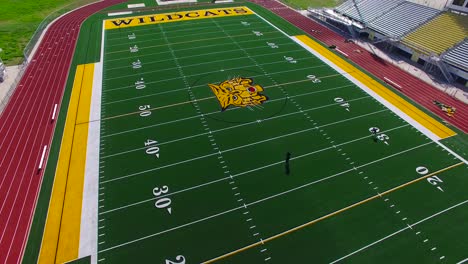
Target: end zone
[{"x": 417, "y": 118}]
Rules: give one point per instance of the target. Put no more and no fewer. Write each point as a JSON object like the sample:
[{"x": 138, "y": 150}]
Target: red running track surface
[
  {"x": 26, "y": 127},
  {"x": 414, "y": 88}
]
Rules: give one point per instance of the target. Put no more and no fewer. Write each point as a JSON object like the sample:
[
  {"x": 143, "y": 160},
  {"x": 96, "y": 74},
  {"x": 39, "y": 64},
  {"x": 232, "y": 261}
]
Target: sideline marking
[
  {"x": 405, "y": 110},
  {"x": 330, "y": 215},
  {"x": 61, "y": 233},
  {"x": 408, "y": 226}
]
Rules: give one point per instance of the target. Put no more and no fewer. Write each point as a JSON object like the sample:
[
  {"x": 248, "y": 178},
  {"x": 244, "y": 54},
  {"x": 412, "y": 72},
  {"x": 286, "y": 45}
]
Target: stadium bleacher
[
  {"x": 439, "y": 34},
  {"x": 458, "y": 56},
  {"x": 402, "y": 19},
  {"x": 367, "y": 10}
]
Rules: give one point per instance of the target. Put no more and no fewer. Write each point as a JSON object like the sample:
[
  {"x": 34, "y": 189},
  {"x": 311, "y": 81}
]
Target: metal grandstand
[{"x": 413, "y": 28}]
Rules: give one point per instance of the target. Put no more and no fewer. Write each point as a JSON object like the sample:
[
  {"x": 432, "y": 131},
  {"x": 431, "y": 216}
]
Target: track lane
[{"x": 26, "y": 128}]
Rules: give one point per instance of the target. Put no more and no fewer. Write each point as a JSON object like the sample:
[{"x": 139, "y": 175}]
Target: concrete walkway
[{"x": 6, "y": 87}]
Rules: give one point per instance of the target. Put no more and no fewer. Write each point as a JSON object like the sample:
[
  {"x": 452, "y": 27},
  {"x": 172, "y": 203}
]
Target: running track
[
  {"x": 26, "y": 127},
  {"x": 417, "y": 90}
]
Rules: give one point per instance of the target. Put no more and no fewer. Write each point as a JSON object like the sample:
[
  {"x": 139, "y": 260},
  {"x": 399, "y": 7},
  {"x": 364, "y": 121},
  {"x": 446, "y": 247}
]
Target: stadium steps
[{"x": 428, "y": 38}]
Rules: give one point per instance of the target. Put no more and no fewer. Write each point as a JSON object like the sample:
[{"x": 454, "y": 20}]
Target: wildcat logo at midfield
[{"x": 238, "y": 91}]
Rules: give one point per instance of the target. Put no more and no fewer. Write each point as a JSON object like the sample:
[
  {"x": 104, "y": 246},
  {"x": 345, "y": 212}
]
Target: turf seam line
[
  {"x": 201, "y": 47},
  {"x": 183, "y": 42},
  {"x": 403, "y": 229},
  {"x": 293, "y": 229},
  {"x": 252, "y": 170},
  {"x": 329, "y": 215},
  {"x": 203, "y": 73},
  {"x": 158, "y": 34},
  {"x": 208, "y": 62},
  {"x": 171, "y": 79},
  {"x": 213, "y": 97},
  {"x": 239, "y": 147},
  {"x": 235, "y": 126}
]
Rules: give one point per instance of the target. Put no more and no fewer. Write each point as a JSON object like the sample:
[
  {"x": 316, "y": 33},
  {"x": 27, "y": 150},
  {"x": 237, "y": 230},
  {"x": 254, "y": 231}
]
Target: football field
[{"x": 224, "y": 140}]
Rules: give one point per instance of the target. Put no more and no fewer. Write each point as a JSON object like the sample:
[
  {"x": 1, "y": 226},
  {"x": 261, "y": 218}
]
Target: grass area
[
  {"x": 20, "y": 19},
  {"x": 304, "y": 4}
]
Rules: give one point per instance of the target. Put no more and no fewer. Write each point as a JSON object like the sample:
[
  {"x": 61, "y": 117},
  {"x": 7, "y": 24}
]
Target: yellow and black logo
[{"x": 238, "y": 91}]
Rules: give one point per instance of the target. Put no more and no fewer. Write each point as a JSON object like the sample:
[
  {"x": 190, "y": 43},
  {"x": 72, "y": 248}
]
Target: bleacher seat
[
  {"x": 367, "y": 10},
  {"x": 402, "y": 19},
  {"x": 458, "y": 56},
  {"x": 439, "y": 34}
]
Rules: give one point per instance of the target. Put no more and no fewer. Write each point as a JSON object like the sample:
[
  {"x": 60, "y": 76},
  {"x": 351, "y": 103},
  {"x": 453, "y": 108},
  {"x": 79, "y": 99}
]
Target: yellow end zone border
[
  {"x": 423, "y": 122},
  {"x": 176, "y": 17},
  {"x": 61, "y": 239}
]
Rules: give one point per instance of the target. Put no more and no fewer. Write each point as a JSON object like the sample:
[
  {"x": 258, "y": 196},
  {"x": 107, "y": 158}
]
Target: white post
[
  {"x": 55, "y": 111},
  {"x": 42, "y": 157}
]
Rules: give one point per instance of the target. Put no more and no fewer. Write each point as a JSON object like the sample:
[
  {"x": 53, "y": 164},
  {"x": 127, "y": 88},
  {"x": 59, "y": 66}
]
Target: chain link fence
[{"x": 28, "y": 50}]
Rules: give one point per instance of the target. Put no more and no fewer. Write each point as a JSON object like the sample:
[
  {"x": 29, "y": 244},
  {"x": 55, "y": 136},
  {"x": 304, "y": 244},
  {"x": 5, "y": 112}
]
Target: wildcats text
[{"x": 174, "y": 17}]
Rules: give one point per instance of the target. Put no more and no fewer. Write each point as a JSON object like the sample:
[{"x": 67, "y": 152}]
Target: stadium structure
[
  {"x": 411, "y": 28},
  {"x": 231, "y": 131}
]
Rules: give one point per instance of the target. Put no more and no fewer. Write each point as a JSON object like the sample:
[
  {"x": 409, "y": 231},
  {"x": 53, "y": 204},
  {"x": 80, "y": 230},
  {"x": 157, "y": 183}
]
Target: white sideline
[
  {"x": 261, "y": 200},
  {"x": 394, "y": 109},
  {"x": 399, "y": 231},
  {"x": 89, "y": 207},
  {"x": 235, "y": 148},
  {"x": 248, "y": 171}
]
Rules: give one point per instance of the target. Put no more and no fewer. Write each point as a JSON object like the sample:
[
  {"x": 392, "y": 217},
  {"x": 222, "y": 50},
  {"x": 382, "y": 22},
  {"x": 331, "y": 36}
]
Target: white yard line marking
[
  {"x": 399, "y": 231},
  {"x": 280, "y": 99},
  {"x": 260, "y": 168},
  {"x": 235, "y": 148},
  {"x": 171, "y": 229}
]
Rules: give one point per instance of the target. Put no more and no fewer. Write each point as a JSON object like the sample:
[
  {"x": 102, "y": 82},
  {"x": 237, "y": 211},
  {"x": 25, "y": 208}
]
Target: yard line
[
  {"x": 231, "y": 127},
  {"x": 171, "y": 229},
  {"x": 338, "y": 212},
  {"x": 247, "y": 172},
  {"x": 193, "y": 26},
  {"x": 399, "y": 231},
  {"x": 239, "y": 147},
  {"x": 290, "y": 230},
  {"x": 204, "y": 85},
  {"x": 196, "y": 116},
  {"x": 183, "y": 36},
  {"x": 463, "y": 261},
  {"x": 196, "y": 32},
  {"x": 184, "y": 42},
  {"x": 204, "y": 47},
  {"x": 214, "y": 61},
  {"x": 171, "y": 79},
  {"x": 202, "y": 73}
]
